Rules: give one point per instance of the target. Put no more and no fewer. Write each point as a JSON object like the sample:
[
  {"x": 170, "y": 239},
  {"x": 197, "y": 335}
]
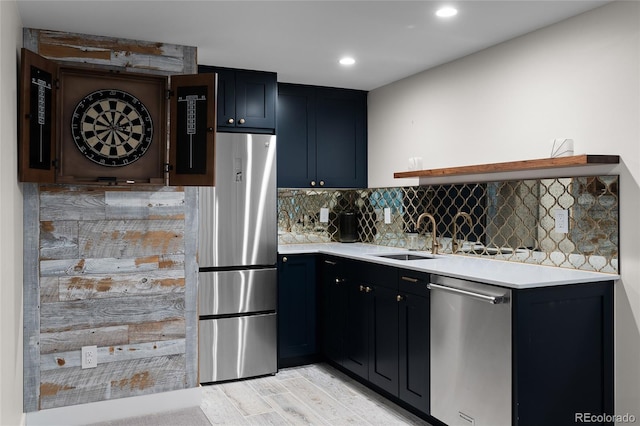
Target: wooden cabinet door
[
  {"x": 322, "y": 137},
  {"x": 414, "y": 351},
  {"x": 192, "y": 147},
  {"x": 255, "y": 100},
  {"x": 297, "y": 329},
  {"x": 333, "y": 308},
  {"x": 37, "y": 119},
  {"x": 341, "y": 131},
  {"x": 356, "y": 339},
  {"x": 246, "y": 99},
  {"x": 226, "y": 106},
  {"x": 296, "y": 132},
  {"x": 563, "y": 353},
  {"x": 383, "y": 338},
  {"x": 413, "y": 332}
]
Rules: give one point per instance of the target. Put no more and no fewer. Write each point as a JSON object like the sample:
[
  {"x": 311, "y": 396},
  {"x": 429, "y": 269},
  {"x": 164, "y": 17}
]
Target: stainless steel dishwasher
[{"x": 470, "y": 352}]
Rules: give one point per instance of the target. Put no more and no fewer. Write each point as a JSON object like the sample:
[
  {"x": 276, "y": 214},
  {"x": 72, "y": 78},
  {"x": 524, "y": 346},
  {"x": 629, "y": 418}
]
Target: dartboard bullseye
[{"x": 111, "y": 128}]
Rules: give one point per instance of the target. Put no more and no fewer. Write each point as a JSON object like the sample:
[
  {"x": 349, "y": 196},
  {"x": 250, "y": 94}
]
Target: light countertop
[{"x": 503, "y": 273}]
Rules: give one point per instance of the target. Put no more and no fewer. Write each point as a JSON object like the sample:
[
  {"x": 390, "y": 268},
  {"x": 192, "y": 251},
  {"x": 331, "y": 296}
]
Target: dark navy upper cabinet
[
  {"x": 322, "y": 137},
  {"x": 246, "y": 99}
]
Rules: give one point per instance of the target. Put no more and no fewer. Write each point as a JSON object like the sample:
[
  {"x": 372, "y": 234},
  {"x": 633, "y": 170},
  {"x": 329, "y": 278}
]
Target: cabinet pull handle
[
  {"x": 230, "y": 121},
  {"x": 340, "y": 280},
  {"x": 329, "y": 262},
  {"x": 411, "y": 280},
  {"x": 313, "y": 183},
  {"x": 399, "y": 298},
  {"x": 321, "y": 183},
  {"x": 361, "y": 288},
  {"x": 241, "y": 121},
  {"x": 284, "y": 259},
  {"x": 368, "y": 289}
]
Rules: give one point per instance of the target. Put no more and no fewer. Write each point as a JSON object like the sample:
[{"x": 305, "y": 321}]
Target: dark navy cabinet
[
  {"x": 246, "y": 99},
  {"x": 333, "y": 307},
  {"x": 413, "y": 334},
  {"x": 322, "y": 137},
  {"x": 297, "y": 300},
  {"x": 563, "y": 353},
  {"x": 375, "y": 325}
]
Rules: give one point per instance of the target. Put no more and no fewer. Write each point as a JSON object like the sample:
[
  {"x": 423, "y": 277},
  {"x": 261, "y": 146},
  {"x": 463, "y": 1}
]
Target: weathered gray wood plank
[
  {"x": 64, "y": 341},
  {"x": 155, "y": 331},
  {"x": 190, "y": 60},
  {"x": 119, "y": 285},
  {"x": 62, "y": 316},
  {"x": 49, "y": 289},
  {"x": 31, "y": 298},
  {"x": 64, "y": 202},
  {"x": 58, "y": 239},
  {"x": 111, "y": 265},
  {"x": 70, "y": 386},
  {"x": 144, "y": 204},
  {"x": 131, "y": 55},
  {"x": 130, "y": 238},
  {"x": 191, "y": 278},
  {"x": 71, "y": 359}
]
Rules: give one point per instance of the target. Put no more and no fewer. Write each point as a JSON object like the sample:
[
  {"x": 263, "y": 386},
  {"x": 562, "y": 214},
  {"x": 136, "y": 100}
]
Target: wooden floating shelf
[{"x": 514, "y": 166}]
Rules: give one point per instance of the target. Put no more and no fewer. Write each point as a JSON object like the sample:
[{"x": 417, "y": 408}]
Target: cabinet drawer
[
  {"x": 413, "y": 282},
  {"x": 378, "y": 275}
]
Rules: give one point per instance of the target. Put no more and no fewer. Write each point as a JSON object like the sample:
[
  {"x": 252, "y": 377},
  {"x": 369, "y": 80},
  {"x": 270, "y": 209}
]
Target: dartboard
[{"x": 111, "y": 127}]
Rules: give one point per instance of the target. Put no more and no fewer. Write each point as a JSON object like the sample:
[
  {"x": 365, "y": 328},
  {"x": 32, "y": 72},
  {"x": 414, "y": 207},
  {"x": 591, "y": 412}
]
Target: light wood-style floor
[{"x": 310, "y": 395}]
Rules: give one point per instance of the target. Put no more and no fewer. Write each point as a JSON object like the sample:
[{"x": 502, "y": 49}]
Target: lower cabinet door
[
  {"x": 334, "y": 309},
  {"x": 414, "y": 351},
  {"x": 297, "y": 334},
  {"x": 356, "y": 328},
  {"x": 383, "y": 339}
]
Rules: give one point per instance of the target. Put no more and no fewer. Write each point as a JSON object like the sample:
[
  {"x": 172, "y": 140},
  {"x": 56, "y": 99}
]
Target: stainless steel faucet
[
  {"x": 454, "y": 234},
  {"x": 434, "y": 240}
]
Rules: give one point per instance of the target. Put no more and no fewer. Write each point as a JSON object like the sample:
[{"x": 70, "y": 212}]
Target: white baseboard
[{"x": 115, "y": 409}]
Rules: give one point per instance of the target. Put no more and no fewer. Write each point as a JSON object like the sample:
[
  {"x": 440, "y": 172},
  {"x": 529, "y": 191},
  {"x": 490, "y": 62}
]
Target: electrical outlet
[
  {"x": 562, "y": 221},
  {"x": 89, "y": 356},
  {"x": 387, "y": 215},
  {"x": 324, "y": 215}
]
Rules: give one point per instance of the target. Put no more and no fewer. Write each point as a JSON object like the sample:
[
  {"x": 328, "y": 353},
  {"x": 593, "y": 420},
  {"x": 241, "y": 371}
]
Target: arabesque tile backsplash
[{"x": 507, "y": 220}]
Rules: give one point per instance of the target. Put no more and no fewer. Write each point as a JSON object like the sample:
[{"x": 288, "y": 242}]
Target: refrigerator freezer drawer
[
  {"x": 237, "y": 292},
  {"x": 238, "y": 347}
]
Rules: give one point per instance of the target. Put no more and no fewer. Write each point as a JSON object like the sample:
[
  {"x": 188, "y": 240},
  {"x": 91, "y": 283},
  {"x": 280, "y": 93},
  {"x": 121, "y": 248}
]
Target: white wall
[
  {"x": 578, "y": 79},
  {"x": 10, "y": 222}
]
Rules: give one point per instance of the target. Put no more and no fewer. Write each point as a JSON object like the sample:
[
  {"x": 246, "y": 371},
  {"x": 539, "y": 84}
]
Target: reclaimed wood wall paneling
[
  {"x": 31, "y": 298},
  {"x": 111, "y": 380},
  {"x": 65, "y": 341},
  {"x": 128, "y": 55},
  {"x": 116, "y": 266},
  {"x": 115, "y": 353}
]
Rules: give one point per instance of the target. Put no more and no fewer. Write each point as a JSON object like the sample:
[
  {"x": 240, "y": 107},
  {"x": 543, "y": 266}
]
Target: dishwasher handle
[{"x": 495, "y": 300}]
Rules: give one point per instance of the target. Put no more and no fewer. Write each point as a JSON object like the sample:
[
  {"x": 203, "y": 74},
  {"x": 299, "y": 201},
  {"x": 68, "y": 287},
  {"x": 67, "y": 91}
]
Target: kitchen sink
[{"x": 405, "y": 256}]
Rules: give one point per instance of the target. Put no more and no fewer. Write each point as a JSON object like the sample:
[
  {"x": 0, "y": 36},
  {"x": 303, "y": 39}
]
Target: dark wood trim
[{"x": 511, "y": 166}]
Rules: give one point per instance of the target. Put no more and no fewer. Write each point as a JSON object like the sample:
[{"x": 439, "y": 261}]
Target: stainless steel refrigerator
[{"x": 237, "y": 255}]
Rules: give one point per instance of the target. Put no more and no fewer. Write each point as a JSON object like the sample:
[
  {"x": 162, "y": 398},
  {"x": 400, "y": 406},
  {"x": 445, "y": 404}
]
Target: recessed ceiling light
[
  {"x": 347, "y": 61},
  {"x": 446, "y": 12}
]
